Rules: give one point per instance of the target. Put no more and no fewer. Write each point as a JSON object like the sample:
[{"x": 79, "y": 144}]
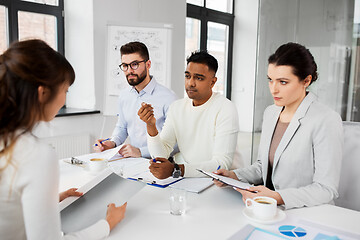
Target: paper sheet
[
  {"x": 294, "y": 228},
  {"x": 129, "y": 167},
  {"x": 108, "y": 154},
  {"x": 195, "y": 185},
  {"x": 249, "y": 232}
]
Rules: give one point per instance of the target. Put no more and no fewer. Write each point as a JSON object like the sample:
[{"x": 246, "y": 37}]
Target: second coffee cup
[
  {"x": 263, "y": 208},
  {"x": 97, "y": 164}
]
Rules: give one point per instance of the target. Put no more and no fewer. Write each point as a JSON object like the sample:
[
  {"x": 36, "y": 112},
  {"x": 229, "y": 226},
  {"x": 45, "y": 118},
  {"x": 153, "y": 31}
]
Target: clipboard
[
  {"x": 149, "y": 179},
  {"x": 227, "y": 180},
  {"x": 137, "y": 169}
]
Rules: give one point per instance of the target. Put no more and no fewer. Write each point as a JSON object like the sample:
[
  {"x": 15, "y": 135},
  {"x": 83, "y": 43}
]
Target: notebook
[{"x": 92, "y": 206}]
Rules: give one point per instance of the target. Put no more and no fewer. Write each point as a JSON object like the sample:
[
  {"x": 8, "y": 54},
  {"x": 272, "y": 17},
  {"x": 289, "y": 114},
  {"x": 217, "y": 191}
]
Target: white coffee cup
[
  {"x": 263, "y": 208},
  {"x": 97, "y": 164}
]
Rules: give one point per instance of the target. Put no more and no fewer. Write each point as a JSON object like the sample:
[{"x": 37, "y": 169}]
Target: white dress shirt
[{"x": 129, "y": 124}]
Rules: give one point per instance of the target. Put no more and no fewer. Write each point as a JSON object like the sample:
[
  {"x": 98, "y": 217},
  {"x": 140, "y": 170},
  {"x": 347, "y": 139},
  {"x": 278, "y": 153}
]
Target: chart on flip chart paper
[{"x": 156, "y": 40}]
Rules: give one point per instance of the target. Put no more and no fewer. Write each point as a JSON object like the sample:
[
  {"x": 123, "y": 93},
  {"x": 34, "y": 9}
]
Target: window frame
[
  {"x": 14, "y": 6},
  {"x": 206, "y": 15}
]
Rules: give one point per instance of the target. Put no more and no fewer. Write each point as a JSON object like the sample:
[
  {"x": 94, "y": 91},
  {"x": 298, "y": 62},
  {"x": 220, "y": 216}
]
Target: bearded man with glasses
[{"x": 135, "y": 63}]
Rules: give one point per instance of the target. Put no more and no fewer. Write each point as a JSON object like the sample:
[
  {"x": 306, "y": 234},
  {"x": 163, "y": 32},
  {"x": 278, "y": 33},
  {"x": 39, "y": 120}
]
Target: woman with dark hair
[
  {"x": 33, "y": 83},
  {"x": 300, "y": 150}
]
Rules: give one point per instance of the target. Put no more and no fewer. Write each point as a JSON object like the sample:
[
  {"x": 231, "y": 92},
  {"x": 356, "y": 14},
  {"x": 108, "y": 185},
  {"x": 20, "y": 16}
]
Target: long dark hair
[
  {"x": 298, "y": 57},
  {"x": 25, "y": 66}
]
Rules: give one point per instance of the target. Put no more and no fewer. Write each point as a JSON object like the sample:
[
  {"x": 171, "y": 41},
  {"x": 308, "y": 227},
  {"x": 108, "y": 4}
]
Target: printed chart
[{"x": 292, "y": 231}]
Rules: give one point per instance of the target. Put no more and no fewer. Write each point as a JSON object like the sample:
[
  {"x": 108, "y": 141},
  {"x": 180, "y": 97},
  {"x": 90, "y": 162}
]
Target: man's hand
[
  {"x": 146, "y": 113},
  {"x": 68, "y": 193},
  {"x": 226, "y": 173},
  {"x": 129, "y": 151},
  {"x": 101, "y": 145},
  {"x": 161, "y": 168}
]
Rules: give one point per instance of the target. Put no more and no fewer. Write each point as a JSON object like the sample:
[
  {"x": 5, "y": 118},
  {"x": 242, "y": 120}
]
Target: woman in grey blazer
[{"x": 300, "y": 150}]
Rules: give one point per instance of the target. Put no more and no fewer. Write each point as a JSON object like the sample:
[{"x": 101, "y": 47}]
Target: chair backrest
[{"x": 349, "y": 187}]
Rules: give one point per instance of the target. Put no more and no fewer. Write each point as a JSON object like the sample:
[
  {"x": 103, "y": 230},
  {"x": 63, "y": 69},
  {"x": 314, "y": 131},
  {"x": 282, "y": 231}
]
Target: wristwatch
[{"x": 177, "y": 171}]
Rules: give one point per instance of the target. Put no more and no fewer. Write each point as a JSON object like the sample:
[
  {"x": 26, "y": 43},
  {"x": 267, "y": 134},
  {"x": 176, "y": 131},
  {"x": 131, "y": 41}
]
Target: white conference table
[{"x": 216, "y": 213}]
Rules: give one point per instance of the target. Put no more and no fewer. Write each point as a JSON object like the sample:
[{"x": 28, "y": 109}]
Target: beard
[{"x": 136, "y": 81}]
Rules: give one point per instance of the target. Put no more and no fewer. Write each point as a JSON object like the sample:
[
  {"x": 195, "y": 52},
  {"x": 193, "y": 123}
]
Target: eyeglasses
[{"x": 133, "y": 65}]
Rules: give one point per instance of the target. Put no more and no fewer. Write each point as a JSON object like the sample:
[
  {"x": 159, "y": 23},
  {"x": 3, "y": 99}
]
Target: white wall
[
  {"x": 244, "y": 61},
  {"x": 324, "y": 27},
  {"x": 137, "y": 11},
  {"x": 277, "y": 25},
  {"x": 79, "y": 50},
  {"x": 85, "y": 45}
]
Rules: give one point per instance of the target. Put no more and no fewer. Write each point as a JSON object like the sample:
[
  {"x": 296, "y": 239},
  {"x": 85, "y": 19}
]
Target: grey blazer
[{"x": 307, "y": 162}]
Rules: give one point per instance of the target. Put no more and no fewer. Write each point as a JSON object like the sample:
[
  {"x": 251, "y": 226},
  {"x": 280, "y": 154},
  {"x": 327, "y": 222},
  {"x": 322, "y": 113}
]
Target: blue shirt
[{"x": 130, "y": 125}]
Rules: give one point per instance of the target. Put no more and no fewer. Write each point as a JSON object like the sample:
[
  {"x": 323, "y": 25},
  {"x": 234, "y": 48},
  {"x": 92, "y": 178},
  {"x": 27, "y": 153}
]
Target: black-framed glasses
[{"x": 133, "y": 65}]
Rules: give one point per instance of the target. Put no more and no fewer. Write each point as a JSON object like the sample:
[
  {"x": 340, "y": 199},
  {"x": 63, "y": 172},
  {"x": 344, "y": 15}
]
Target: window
[
  {"x": 220, "y": 5},
  {"x": 42, "y": 19},
  {"x": 192, "y": 41},
  {"x": 210, "y": 26},
  {"x": 3, "y": 29},
  {"x": 330, "y": 30}
]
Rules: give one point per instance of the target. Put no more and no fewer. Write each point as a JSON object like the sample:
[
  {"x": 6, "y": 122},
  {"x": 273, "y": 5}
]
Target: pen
[
  {"x": 218, "y": 168},
  {"x": 145, "y": 181},
  {"x": 154, "y": 160},
  {"x": 103, "y": 141}
]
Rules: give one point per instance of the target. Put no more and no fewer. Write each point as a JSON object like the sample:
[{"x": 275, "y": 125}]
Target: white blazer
[{"x": 307, "y": 162}]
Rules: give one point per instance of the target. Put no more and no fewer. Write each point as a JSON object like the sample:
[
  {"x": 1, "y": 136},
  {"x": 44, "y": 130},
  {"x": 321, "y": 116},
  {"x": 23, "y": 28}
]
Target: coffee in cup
[
  {"x": 263, "y": 208},
  {"x": 263, "y": 201},
  {"x": 97, "y": 164}
]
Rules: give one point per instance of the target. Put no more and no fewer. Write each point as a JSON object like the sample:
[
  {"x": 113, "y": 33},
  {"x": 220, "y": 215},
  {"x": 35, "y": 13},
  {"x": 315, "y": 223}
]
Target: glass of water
[{"x": 177, "y": 201}]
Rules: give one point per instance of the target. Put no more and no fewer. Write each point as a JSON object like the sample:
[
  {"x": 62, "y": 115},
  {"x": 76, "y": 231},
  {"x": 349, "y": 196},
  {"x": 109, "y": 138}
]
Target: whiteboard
[{"x": 157, "y": 40}]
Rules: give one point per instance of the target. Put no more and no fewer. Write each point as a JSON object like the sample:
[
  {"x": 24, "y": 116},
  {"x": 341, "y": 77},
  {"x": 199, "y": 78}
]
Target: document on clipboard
[
  {"x": 138, "y": 169},
  {"x": 227, "y": 180},
  {"x": 150, "y": 179}
]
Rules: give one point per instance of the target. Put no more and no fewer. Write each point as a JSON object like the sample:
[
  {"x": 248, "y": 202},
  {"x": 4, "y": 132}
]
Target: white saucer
[{"x": 280, "y": 215}]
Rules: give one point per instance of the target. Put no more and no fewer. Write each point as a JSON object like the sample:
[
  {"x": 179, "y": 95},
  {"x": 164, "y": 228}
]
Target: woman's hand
[
  {"x": 68, "y": 193},
  {"x": 114, "y": 214},
  {"x": 225, "y": 173},
  {"x": 260, "y": 191}
]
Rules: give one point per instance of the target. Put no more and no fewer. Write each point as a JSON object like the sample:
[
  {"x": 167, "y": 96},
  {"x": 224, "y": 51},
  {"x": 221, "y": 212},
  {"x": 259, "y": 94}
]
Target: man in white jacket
[{"x": 204, "y": 125}]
